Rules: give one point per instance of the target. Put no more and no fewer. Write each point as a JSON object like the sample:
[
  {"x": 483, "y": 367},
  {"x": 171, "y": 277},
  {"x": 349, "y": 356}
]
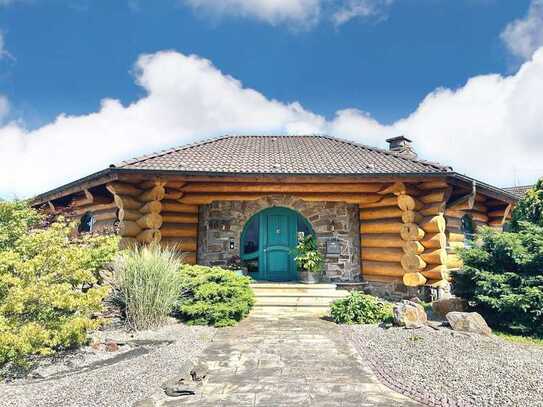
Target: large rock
[
  {"x": 409, "y": 314},
  {"x": 468, "y": 322},
  {"x": 442, "y": 307}
]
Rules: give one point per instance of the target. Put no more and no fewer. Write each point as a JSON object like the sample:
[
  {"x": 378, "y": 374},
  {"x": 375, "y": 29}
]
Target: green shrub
[
  {"x": 502, "y": 278},
  {"x": 307, "y": 255},
  {"x": 530, "y": 207},
  {"x": 360, "y": 308},
  {"x": 147, "y": 282},
  {"x": 214, "y": 296},
  {"x": 48, "y": 284}
]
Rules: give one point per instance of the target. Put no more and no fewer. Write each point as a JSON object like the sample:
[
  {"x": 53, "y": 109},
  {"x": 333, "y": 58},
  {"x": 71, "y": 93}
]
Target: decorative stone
[
  {"x": 111, "y": 346},
  {"x": 442, "y": 307},
  {"x": 471, "y": 322},
  {"x": 179, "y": 387},
  {"x": 409, "y": 314}
]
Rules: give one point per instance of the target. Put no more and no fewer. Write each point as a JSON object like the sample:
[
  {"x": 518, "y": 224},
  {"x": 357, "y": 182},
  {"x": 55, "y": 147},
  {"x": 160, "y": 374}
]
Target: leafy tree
[
  {"x": 530, "y": 207},
  {"x": 48, "y": 284}
]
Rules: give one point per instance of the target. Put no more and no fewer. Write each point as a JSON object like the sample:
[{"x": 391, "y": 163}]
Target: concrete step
[
  {"x": 292, "y": 286},
  {"x": 294, "y": 301},
  {"x": 300, "y": 293}
]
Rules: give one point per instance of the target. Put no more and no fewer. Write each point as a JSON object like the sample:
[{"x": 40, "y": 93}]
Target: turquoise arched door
[{"x": 268, "y": 241}]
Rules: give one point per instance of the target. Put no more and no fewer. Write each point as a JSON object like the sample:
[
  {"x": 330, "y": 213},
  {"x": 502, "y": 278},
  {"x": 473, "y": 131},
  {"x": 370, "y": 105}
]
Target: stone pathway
[{"x": 287, "y": 361}]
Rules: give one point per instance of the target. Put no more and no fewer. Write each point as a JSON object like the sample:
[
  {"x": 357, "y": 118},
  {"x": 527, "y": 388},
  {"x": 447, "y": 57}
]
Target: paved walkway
[{"x": 286, "y": 361}]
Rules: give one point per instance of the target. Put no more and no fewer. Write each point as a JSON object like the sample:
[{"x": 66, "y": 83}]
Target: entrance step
[{"x": 295, "y": 298}]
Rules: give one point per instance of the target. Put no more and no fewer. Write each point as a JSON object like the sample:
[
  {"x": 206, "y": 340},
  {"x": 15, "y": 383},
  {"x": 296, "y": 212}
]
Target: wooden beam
[{"x": 232, "y": 187}]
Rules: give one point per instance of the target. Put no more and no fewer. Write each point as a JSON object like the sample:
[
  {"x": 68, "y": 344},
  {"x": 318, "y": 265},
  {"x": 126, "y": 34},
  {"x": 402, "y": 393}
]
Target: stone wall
[{"x": 221, "y": 224}]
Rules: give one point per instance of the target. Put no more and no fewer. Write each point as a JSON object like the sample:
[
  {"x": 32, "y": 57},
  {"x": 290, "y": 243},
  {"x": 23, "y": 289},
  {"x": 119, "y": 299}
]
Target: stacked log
[
  {"x": 102, "y": 208},
  {"x": 139, "y": 211},
  {"x": 498, "y": 214},
  {"x": 180, "y": 227}
]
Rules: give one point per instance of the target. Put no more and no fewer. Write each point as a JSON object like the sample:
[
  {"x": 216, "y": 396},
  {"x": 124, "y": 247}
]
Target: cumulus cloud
[
  {"x": 486, "y": 128},
  {"x": 524, "y": 36}
]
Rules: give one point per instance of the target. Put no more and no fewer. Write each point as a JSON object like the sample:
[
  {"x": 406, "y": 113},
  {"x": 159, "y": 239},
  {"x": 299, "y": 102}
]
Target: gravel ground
[
  {"x": 452, "y": 368},
  {"x": 120, "y": 381}
]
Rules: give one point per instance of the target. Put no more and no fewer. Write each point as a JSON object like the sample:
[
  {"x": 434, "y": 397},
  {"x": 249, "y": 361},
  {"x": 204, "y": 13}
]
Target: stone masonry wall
[{"x": 222, "y": 222}]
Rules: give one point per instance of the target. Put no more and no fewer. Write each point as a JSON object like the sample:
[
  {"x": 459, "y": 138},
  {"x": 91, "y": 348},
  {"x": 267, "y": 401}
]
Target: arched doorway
[{"x": 267, "y": 243}]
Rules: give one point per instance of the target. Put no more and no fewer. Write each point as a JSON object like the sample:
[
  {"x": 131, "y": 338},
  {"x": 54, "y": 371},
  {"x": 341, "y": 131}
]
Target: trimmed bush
[
  {"x": 360, "y": 308},
  {"x": 48, "y": 284},
  {"x": 214, "y": 296},
  {"x": 502, "y": 278},
  {"x": 147, "y": 283}
]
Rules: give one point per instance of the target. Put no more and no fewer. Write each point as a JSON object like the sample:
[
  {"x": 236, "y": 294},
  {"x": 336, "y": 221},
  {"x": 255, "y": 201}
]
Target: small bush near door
[
  {"x": 360, "y": 308},
  {"x": 147, "y": 284},
  {"x": 214, "y": 296}
]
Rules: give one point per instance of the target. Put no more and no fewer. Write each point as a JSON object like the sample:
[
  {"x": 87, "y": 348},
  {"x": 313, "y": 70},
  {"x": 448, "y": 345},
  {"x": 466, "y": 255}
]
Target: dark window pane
[
  {"x": 303, "y": 227},
  {"x": 87, "y": 221},
  {"x": 252, "y": 266},
  {"x": 250, "y": 242},
  {"x": 468, "y": 229}
]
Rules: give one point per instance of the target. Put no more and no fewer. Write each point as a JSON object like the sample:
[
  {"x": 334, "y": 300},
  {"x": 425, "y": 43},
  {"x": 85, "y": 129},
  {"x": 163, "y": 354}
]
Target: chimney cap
[{"x": 398, "y": 138}]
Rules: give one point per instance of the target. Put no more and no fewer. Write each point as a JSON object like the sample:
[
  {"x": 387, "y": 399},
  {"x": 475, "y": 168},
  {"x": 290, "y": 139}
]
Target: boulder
[
  {"x": 409, "y": 314},
  {"x": 471, "y": 322},
  {"x": 442, "y": 307}
]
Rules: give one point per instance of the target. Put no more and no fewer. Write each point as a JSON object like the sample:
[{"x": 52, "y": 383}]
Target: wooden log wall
[
  {"x": 152, "y": 212},
  {"x": 402, "y": 236},
  {"x": 102, "y": 207}
]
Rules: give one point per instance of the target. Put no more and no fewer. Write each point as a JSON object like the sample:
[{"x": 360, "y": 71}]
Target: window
[
  {"x": 86, "y": 223},
  {"x": 468, "y": 229},
  {"x": 303, "y": 226},
  {"x": 250, "y": 243}
]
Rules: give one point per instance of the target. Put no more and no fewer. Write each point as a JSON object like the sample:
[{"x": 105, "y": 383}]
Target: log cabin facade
[{"x": 380, "y": 216}]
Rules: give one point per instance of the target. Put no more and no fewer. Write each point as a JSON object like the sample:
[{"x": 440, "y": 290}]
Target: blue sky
[{"x": 381, "y": 65}]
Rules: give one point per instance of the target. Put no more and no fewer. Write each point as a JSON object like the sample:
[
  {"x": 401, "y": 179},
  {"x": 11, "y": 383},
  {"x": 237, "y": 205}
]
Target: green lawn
[{"x": 523, "y": 340}]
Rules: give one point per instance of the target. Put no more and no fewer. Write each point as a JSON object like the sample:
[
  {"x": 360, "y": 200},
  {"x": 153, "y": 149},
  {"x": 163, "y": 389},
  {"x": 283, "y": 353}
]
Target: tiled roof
[
  {"x": 519, "y": 191},
  {"x": 311, "y": 154}
]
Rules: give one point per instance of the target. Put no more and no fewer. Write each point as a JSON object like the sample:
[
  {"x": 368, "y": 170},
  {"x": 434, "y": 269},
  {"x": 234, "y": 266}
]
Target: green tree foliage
[
  {"x": 214, "y": 296},
  {"x": 48, "y": 284},
  {"x": 360, "y": 308},
  {"x": 502, "y": 278},
  {"x": 147, "y": 284},
  {"x": 530, "y": 207}
]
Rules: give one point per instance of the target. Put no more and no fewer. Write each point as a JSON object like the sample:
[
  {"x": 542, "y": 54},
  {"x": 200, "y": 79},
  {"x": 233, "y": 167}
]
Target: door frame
[{"x": 260, "y": 254}]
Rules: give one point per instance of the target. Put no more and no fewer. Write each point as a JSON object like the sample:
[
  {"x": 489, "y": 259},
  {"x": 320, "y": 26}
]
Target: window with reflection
[
  {"x": 468, "y": 229},
  {"x": 86, "y": 223},
  {"x": 250, "y": 243},
  {"x": 303, "y": 226}
]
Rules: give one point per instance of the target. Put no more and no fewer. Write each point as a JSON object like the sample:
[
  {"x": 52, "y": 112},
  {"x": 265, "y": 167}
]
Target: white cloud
[
  {"x": 273, "y": 12},
  {"x": 351, "y": 9},
  {"x": 524, "y": 36},
  {"x": 486, "y": 128}
]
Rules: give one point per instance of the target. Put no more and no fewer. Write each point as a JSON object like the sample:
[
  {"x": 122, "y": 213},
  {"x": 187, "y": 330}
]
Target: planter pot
[{"x": 307, "y": 277}]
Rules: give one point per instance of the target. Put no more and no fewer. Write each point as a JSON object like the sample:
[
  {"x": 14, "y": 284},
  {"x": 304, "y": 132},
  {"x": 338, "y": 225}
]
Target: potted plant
[{"x": 308, "y": 259}]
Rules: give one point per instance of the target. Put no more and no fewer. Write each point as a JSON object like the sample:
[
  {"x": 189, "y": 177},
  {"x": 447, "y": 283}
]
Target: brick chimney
[{"x": 402, "y": 146}]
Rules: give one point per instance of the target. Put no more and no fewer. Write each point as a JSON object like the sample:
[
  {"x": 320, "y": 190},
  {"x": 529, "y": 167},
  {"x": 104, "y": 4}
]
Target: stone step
[
  {"x": 293, "y": 286},
  {"x": 275, "y": 311},
  {"x": 294, "y": 301},
  {"x": 300, "y": 293}
]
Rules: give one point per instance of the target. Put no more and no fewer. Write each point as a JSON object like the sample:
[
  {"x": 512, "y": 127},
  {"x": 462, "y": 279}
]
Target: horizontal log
[
  {"x": 434, "y": 241},
  {"x": 330, "y": 197},
  {"x": 454, "y": 262},
  {"x": 495, "y": 223},
  {"x": 386, "y": 201},
  {"x": 408, "y": 203},
  {"x": 436, "y": 208},
  {"x": 413, "y": 279},
  {"x": 433, "y": 224},
  {"x": 178, "y": 230},
  {"x": 110, "y": 214},
  {"x": 129, "y": 228},
  {"x": 151, "y": 207},
  {"x": 151, "y": 183},
  {"x": 381, "y": 226},
  {"x": 411, "y": 231},
  {"x": 149, "y": 236},
  {"x": 174, "y": 206},
  {"x": 454, "y": 223},
  {"x": 377, "y": 268},
  {"x": 154, "y": 194},
  {"x": 104, "y": 227},
  {"x": 432, "y": 185},
  {"x": 381, "y": 279},
  {"x": 382, "y": 254},
  {"x": 435, "y": 256},
  {"x": 150, "y": 221},
  {"x": 399, "y": 188},
  {"x": 205, "y": 199},
  {"x": 436, "y": 272},
  {"x": 90, "y": 199},
  {"x": 173, "y": 217},
  {"x": 456, "y": 237},
  {"x": 123, "y": 188},
  {"x": 380, "y": 213},
  {"x": 434, "y": 197},
  {"x": 173, "y": 194},
  {"x": 188, "y": 244},
  {"x": 412, "y": 247},
  {"x": 456, "y": 245},
  {"x": 465, "y": 206},
  {"x": 477, "y": 216},
  {"x": 188, "y": 258},
  {"x": 497, "y": 213},
  {"x": 412, "y": 263},
  {"x": 411, "y": 217},
  {"x": 381, "y": 240},
  {"x": 129, "y": 214},
  {"x": 127, "y": 202},
  {"x": 92, "y": 208},
  {"x": 231, "y": 187}
]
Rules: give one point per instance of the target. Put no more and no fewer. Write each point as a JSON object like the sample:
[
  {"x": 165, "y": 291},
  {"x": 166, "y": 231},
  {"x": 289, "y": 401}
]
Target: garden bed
[
  {"x": 97, "y": 377},
  {"x": 447, "y": 368}
]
